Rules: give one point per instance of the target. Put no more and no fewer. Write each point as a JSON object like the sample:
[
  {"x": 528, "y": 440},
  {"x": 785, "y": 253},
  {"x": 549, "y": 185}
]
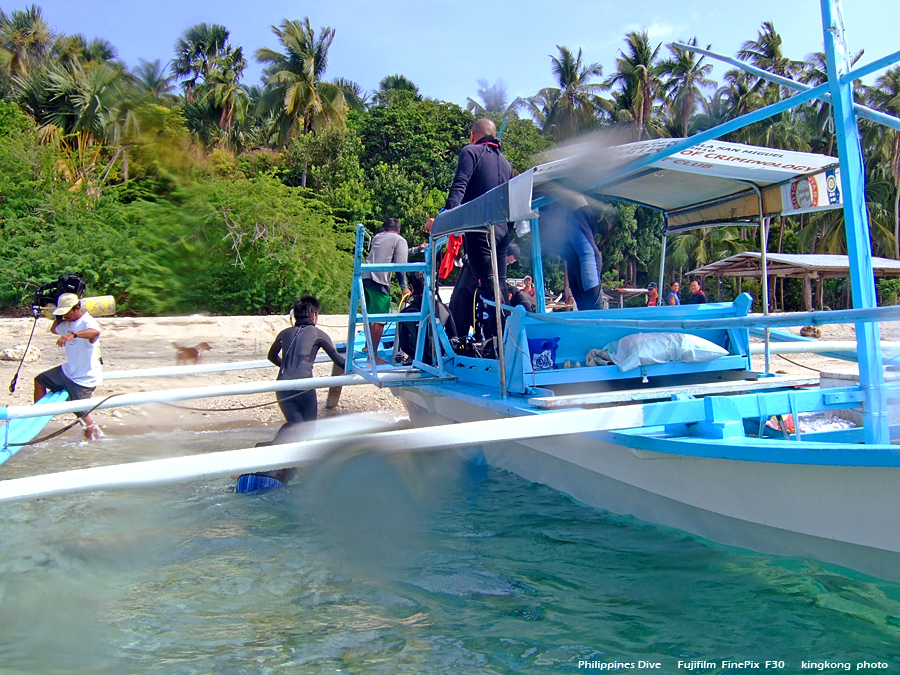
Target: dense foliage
[{"x": 181, "y": 188}]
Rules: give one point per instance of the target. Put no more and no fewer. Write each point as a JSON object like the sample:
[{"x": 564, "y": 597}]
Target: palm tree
[
  {"x": 638, "y": 77},
  {"x": 25, "y": 40},
  {"x": 304, "y": 102},
  {"x": 493, "y": 101},
  {"x": 688, "y": 75},
  {"x": 197, "y": 54},
  {"x": 574, "y": 105},
  {"x": 765, "y": 52},
  {"x": 151, "y": 80},
  {"x": 397, "y": 83},
  {"x": 354, "y": 95},
  {"x": 884, "y": 142},
  {"x": 224, "y": 92}
]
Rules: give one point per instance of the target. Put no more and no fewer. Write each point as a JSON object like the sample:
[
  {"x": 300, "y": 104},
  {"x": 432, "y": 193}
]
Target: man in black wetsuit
[
  {"x": 480, "y": 168},
  {"x": 294, "y": 352},
  {"x": 698, "y": 297},
  {"x": 462, "y": 302}
]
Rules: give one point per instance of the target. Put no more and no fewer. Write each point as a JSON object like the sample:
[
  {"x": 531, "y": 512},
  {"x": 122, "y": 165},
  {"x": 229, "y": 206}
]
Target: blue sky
[{"x": 445, "y": 47}]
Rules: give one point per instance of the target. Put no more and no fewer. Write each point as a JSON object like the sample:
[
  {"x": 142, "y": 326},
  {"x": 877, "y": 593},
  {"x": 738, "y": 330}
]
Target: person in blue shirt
[{"x": 673, "y": 298}]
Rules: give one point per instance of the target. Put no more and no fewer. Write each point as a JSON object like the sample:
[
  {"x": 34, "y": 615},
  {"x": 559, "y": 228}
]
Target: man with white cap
[{"x": 79, "y": 334}]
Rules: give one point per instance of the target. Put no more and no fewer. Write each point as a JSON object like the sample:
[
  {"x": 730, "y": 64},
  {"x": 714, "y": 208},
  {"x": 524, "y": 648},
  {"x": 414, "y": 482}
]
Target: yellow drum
[{"x": 101, "y": 305}]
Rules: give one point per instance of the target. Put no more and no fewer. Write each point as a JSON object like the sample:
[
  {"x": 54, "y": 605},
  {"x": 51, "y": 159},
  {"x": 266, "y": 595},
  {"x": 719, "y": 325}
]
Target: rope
[
  {"x": 799, "y": 365},
  {"x": 77, "y": 421},
  {"x": 244, "y": 407},
  {"x": 64, "y": 429}
]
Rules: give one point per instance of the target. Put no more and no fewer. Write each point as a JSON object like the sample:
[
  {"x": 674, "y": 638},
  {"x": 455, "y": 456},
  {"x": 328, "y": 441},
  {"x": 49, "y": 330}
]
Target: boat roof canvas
[{"x": 712, "y": 183}]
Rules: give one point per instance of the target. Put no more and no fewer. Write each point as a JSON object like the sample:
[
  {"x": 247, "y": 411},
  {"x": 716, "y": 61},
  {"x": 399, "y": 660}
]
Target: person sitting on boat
[
  {"x": 462, "y": 301},
  {"x": 518, "y": 296},
  {"x": 652, "y": 294},
  {"x": 387, "y": 247},
  {"x": 79, "y": 334},
  {"x": 408, "y": 331},
  {"x": 528, "y": 285},
  {"x": 698, "y": 297},
  {"x": 673, "y": 298},
  {"x": 481, "y": 167}
]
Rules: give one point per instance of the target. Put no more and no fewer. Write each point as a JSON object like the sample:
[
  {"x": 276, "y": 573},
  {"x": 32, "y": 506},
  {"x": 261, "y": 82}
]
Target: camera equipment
[{"x": 48, "y": 294}]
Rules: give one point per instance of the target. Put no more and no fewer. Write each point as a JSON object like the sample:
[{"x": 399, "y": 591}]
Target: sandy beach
[{"x": 136, "y": 343}]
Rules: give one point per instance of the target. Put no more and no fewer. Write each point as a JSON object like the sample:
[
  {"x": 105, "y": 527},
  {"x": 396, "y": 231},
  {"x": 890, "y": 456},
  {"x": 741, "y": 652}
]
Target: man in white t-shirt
[{"x": 79, "y": 333}]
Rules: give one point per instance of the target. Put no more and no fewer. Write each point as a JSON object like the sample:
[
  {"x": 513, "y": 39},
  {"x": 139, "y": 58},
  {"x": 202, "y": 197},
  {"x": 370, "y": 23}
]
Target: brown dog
[{"x": 187, "y": 356}]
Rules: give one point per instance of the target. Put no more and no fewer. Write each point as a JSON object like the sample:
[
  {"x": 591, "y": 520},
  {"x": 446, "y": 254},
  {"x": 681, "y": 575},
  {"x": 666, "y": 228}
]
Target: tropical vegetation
[{"x": 180, "y": 187}]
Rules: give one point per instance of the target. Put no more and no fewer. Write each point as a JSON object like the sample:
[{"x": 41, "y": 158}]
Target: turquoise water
[{"x": 410, "y": 565}]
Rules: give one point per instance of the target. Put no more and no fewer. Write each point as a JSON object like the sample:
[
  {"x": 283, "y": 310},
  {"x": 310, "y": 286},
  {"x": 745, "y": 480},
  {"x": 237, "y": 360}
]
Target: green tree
[
  {"x": 884, "y": 143},
  {"x": 687, "y": 75},
  {"x": 422, "y": 138},
  {"x": 197, "y": 55},
  {"x": 151, "y": 80},
  {"x": 494, "y": 101},
  {"x": 639, "y": 83},
  {"x": 571, "y": 107},
  {"x": 301, "y": 100},
  {"x": 25, "y": 40}
]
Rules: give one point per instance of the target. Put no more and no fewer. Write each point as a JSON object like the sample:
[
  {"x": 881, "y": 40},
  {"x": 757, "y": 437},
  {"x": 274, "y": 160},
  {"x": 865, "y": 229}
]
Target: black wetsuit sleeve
[
  {"x": 324, "y": 343},
  {"x": 464, "y": 169},
  {"x": 275, "y": 349}
]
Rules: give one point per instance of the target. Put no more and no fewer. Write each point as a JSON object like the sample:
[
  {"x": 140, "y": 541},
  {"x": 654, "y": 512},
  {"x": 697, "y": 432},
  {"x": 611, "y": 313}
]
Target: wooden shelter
[{"x": 809, "y": 267}]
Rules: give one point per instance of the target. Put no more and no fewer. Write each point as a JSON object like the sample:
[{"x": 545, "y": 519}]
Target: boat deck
[{"x": 670, "y": 392}]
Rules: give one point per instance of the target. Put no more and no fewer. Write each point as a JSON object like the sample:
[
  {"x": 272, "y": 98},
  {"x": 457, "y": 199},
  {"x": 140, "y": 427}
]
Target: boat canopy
[{"x": 711, "y": 183}]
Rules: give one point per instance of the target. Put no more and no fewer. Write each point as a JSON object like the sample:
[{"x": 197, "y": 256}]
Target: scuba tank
[{"x": 100, "y": 305}]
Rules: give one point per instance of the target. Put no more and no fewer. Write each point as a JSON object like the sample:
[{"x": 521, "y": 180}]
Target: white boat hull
[{"x": 842, "y": 515}]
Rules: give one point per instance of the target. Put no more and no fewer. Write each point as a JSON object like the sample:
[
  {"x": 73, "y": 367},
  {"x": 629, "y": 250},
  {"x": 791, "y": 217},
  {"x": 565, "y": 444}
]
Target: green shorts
[{"x": 376, "y": 301}]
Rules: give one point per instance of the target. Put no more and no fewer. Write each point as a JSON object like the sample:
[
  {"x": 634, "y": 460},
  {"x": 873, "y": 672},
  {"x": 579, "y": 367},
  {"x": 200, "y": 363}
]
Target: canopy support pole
[
  {"x": 537, "y": 266},
  {"x": 662, "y": 259},
  {"x": 871, "y": 367},
  {"x": 498, "y": 312}
]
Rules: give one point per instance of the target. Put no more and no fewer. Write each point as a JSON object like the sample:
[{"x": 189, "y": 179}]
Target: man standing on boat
[
  {"x": 387, "y": 247},
  {"x": 481, "y": 167},
  {"x": 79, "y": 334}
]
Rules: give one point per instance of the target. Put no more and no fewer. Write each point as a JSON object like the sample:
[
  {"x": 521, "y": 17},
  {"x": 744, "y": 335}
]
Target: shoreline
[{"x": 146, "y": 342}]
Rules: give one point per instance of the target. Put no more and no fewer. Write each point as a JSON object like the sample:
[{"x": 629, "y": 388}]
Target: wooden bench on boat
[{"x": 577, "y": 338}]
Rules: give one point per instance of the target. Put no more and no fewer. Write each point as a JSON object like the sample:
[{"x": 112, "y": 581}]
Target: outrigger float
[{"x": 675, "y": 442}]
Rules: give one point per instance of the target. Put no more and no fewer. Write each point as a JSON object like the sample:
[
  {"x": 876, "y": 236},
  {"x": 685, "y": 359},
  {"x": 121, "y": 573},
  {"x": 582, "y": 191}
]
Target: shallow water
[{"x": 418, "y": 564}]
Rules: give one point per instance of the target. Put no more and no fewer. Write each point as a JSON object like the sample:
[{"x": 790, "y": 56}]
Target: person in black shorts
[{"x": 294, "y": 352}]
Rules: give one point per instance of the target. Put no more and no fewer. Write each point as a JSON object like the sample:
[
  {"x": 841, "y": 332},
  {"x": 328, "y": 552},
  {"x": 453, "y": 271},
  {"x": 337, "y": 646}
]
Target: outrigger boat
[
  {"x": 683, "y": 443},
  {"x": 675, "y": 442}
]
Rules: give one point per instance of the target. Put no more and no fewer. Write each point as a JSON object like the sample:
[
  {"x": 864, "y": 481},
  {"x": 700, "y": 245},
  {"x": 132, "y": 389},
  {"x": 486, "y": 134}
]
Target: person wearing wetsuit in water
[{"x": 294, "y": 352}]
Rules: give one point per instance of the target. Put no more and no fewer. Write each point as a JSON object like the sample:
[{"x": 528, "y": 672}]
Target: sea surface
[{"x": 416, "y": 564}]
